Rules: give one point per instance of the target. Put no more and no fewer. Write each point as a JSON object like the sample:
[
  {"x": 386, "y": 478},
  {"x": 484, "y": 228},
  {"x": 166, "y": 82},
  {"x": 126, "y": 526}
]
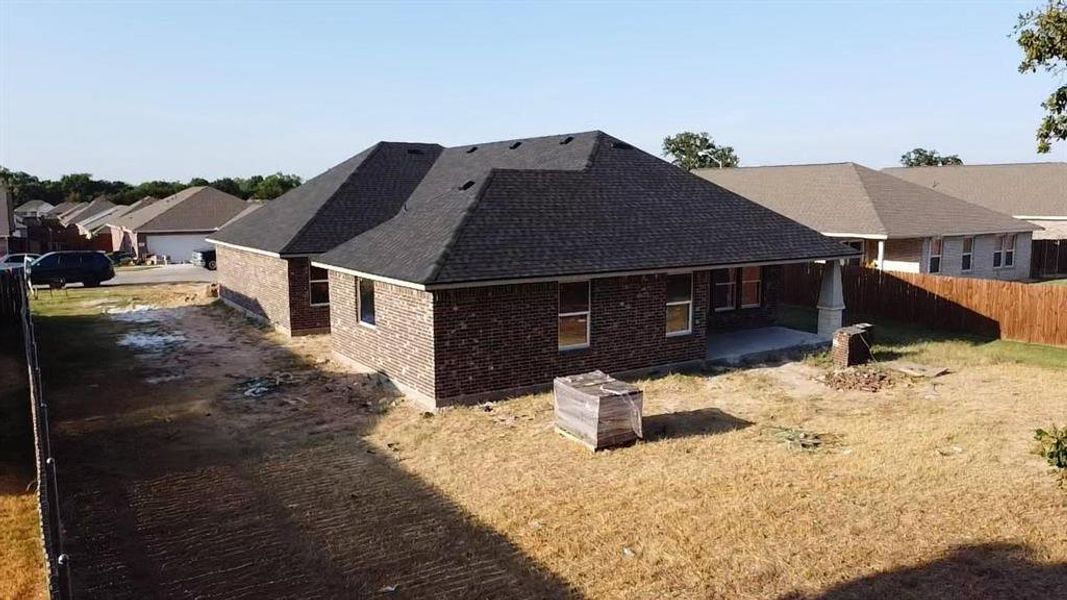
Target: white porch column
[
  {"x": 881, "y": 255},
  {"x": 831, "y": 299}
]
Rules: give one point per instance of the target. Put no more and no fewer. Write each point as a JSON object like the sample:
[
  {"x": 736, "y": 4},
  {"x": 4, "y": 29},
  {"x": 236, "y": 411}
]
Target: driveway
[{"x": 161, "y": 274}]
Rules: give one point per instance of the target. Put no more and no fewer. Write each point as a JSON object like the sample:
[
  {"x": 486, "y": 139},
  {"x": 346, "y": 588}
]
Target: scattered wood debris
[
  {"x": 804, "y": 440},
  {"x": 867, "y": 379}
]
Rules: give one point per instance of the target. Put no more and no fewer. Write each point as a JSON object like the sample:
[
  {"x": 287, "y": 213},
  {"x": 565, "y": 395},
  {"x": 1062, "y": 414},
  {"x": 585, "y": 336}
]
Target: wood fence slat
[{"x": 1009, "y": 310}]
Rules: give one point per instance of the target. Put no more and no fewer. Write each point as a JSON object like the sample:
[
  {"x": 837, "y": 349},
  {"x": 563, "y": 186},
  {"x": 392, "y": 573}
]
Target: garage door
[{"x": 178, "y": 246}]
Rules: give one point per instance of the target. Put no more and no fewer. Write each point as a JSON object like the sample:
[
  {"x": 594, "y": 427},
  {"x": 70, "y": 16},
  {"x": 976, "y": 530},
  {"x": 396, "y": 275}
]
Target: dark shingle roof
[
  {"x": 343, "y": 202},
  {"x": 86, "y": 211},
  {"x": 541, "y": 207},
  {"x": 846, "y": 198},
  {"x": 1023, "y": 189},
  {"x": 200, "y": 208}
]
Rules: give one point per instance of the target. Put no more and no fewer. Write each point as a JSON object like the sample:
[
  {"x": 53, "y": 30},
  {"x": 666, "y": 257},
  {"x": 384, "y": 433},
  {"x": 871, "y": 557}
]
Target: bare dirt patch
[{"x": 329, "y": 485}]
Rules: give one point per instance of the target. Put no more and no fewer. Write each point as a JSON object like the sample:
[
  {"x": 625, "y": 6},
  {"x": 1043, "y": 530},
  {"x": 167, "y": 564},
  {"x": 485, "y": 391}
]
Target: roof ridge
[
  {"x": 856, "y": 171},
  {"x": 453, "y": 236},
  {"x": 1036, "y": 163},
  {"x": 375, "y": 149}
]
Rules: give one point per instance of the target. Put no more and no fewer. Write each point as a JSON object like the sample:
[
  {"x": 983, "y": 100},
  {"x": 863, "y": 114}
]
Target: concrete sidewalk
[{"x": 160, "y": 274}]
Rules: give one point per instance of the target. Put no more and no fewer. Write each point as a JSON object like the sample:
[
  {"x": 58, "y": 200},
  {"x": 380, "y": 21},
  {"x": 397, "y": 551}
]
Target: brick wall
[
  {"x": 501, "y": 337},
  {"x": 399, "y": 345},
  {"x": 255, "y": 282},
  {"x": 303, "y": 317},
  {"x": 748, "y": 318},
  {"x": 454, "y": 344}
]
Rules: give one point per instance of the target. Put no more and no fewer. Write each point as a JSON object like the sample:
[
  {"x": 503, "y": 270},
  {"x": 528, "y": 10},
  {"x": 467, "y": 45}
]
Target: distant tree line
[{"x": 81, "y": 187}]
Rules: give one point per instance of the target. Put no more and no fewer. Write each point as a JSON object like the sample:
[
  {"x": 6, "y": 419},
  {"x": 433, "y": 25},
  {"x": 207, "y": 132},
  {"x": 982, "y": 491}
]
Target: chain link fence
[{"x": 15, "y": 313}]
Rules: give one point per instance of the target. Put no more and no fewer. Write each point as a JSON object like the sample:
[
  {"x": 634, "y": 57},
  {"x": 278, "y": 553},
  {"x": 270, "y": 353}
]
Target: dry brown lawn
[
  {"x": 928, "y": 489},
  {"x": 717, "y": 506}
]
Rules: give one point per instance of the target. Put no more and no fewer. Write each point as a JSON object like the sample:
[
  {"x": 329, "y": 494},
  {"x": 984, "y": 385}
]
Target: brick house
[
  {"x": 1034, "y": 192},
  {"x": 175, "y": 226},
  {"x": 264, "y": 259},
  {"x": 897, "y": 224},
  {"x": 509, "y": 263}
]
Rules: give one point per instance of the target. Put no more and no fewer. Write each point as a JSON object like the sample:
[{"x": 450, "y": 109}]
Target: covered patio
[{"x": 747, "y": 346}]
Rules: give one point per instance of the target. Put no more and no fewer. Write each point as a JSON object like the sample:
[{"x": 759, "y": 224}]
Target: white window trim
[
  {"x": 939, "y": 256},
  {"x": 732, "y": 284},
  {"x": 689, "y": 326},
  {"x": 1004, "y": 252},
  {"x": 311, "y": 281},
  {"x": 963, "y": 253},
  {"x": 588, "y": 312},
  {"x": 741, "y": 277},
  {"x": 359, "y": 304}
]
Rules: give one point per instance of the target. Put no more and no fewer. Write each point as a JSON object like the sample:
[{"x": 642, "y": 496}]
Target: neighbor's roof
[
  {"x": 34, "y": 206},
  {"x": 850, "y": 199},
  {"x": 1022, "y": 189},
  {"x": 337, "y": 205},
  {"x": 200, "y": 208},
  {"x": 86, "y": 211},
  {"x": 578, "y": 204},
  {"x": 63, "y": 207}
]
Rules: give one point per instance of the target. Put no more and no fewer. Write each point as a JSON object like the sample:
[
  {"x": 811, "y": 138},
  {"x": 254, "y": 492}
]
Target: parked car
[
  {"x": 204, "y": 258},
  {"x": 121, "y": 257},
  {"x": 57, "y": 269},
  {"x": 16, "y": 261}
]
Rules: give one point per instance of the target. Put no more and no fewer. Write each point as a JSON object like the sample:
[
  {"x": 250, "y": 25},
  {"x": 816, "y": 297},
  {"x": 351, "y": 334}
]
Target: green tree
[
  {"x": 275, "y": 185},
  {"x": 198, "y": 182},
  {"x": 921, "y": 157},
  {"x": 1042, "y": 34},
  {"x": 228, "y": 185},
  {"x": 691, "y": 151}
]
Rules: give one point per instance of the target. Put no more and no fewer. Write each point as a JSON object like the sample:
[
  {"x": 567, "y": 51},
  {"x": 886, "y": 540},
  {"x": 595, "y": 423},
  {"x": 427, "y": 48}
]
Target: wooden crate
[{"x": 598, "y": 410}]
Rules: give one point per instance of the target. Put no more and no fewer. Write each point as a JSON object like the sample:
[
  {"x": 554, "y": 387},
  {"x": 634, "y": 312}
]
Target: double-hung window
[
  {"x": 1004, "y": 252},
  {"x": 751, "y": 286},
  {"x": 724, "y": 289},
  {"x": 679, "y": 304},
  {"x": 366, "y": 302},
  {"x": 935, "y": 254},
  {"x": 574, "y": 314},
  {"x": 967, "y": 260},
  {"x": 319, "y": 286}
]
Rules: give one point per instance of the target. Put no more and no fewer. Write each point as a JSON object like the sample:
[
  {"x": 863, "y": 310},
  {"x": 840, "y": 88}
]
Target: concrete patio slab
[{"x": 755, "y": 345}]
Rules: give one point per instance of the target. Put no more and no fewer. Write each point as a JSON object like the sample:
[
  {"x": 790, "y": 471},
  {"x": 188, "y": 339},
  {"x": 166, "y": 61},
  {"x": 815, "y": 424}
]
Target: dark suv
[{"x": 57, "y": 269}]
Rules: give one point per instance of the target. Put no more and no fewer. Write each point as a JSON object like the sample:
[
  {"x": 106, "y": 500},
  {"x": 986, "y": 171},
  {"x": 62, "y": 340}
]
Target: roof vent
[
  {"x": 471, "y": 149},
  {"x": 567, "y": 140},
  {"x": 515, "y": 145},
  {"x": 622, "y": 146},
  {"x": 466, "y": 186},
  {"x": 415, "y": 151}
]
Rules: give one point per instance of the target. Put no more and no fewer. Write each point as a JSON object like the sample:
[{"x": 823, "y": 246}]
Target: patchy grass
[
  {"x": 899, "y": 340},
  {"x": 1054, "y": 282}
]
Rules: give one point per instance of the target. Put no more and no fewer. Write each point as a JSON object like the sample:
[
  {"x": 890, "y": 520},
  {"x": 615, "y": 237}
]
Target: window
[
  {"x": 366, "y": 302},
  {"x": 1004, "y": 251},
  {"x": 855, "y": 245},
  {"x": 679, "y": 304},
  {"x": 319, "y": 286},
  {"x": 724, "y": 290},
  {"x": 968, "y": 252},
  {"x": 750, "y": 287},
  {"x": 935, "y": 254},
  {"x": 574, "y": 315}
]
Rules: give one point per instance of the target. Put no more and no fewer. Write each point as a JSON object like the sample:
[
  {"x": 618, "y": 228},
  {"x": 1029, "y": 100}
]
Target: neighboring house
[
  {"x": 493, "y": 268},
  {"x": 34, "y": 208},
  {"x": 120, "y": 238},
  {"x": 176, "y": 225},
  {"x": 899, "y": 225},
  {"x": 1036, "y": 192}
]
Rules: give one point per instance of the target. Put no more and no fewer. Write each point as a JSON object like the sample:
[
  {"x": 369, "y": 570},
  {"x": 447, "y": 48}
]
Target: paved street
[{"x": 160, "y": 274}]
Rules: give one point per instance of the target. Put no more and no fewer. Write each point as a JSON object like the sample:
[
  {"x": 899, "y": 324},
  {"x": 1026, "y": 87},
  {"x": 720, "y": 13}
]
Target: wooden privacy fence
[
  {"x": 1009, "y": 310},
  {"x": 12, "y": 295}
]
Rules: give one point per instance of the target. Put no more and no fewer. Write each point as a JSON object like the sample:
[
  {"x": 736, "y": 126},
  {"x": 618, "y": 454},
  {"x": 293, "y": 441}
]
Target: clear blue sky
[{"x": 171, "y": 91}]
